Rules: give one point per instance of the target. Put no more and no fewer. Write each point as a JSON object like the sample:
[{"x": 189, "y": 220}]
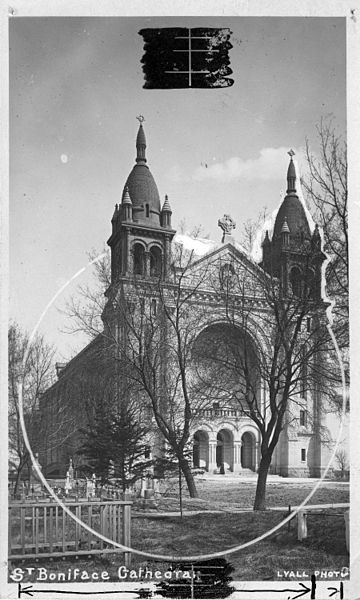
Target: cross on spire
[
  {"x": 141, "y": 119},
  {"x": 291, "y": 153}
]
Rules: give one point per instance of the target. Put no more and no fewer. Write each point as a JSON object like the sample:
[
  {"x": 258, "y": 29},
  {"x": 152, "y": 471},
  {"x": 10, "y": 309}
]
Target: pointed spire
[
  {"x": 291, "y": 175},
  {"x": 114, "y": 217},
  {"x": 316, "y": 238},
  {"x": 140, "y": 142},
  {"x": 126, "y": 205},
  {"x": 266, "y": 241},
  {"x": 166, "y": 213},
  {"x": 285, "y": 234},
  {"x": 166, "y": 206},
  {"x": 285, "y": 227},
  {"x": 126, "y": 196}
]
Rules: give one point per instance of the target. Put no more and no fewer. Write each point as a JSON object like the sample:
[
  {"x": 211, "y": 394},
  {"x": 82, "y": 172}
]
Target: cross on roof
[
  {"x": 291, "y": 153},
  {"x": 140, "y": 118}
]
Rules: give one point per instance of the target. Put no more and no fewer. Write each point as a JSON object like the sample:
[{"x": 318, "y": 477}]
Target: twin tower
[{"x": 142, "y": 233}]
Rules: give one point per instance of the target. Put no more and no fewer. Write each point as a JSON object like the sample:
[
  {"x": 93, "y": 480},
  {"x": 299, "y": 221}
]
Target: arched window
[
  {"x": 139, "y": 259},
  {"x": 147, "y": 210},
  {"x": 155, "y": 262},
  {"x": 295, "y": 280}
]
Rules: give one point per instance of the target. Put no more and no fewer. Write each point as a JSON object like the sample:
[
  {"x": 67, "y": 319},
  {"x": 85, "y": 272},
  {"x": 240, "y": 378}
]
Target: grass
[
  {"x": 240, "y": 494},
  {"x": 208, "y": 533},
  {"x": 324, "y": 548}
]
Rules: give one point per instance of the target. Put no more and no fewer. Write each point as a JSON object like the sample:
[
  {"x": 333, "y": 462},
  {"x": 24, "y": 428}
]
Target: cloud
[{"x": 268, "y": 166}]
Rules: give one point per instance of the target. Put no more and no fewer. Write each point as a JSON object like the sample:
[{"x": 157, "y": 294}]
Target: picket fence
[{"x": 44, "y": 529}]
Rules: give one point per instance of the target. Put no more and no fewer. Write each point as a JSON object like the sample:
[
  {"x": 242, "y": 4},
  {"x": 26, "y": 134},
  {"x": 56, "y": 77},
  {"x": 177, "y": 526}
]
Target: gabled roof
[{"x": 230, "y": 248}]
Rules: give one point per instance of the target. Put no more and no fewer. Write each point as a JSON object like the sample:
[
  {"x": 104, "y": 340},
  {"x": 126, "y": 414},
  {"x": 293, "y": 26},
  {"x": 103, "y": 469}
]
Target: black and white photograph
[{"x": 178, "y": 348}]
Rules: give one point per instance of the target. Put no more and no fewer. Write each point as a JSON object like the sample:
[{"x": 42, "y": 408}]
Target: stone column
[
  {"x": 166, "y": 257},
  {"x": 237, "y": 467},
  {"x": 147, "y": 264},
  {"x": 127, "y": 258},
  {"x": 212, "y": 453},
  {"x": 130, "y": 261}
]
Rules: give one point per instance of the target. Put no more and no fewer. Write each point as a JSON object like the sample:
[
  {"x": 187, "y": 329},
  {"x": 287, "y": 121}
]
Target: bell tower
[
  {"x": 294, "y": 253},
  {"x": 141, "y": 228}
]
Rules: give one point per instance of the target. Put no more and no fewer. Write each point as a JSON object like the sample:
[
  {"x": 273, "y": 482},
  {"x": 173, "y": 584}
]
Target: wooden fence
[
  {"x": 302, "y": 521},
  {"x": 42, "y": 529}
]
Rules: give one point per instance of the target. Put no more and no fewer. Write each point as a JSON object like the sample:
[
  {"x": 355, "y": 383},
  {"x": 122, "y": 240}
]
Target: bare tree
[
  {"x": 327, "y": 195},
  {"x": 149, "y": 327},
  {"x": 250, "y": 229},
  {"x": 35, "y": 374},
  {"x": 270, "y": 382},
  {"x": 84, "y": 309},
  {"x": 155, "y": 325}
]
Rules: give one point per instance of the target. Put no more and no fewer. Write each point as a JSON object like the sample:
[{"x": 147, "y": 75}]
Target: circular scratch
[{"x": 134, "y": 550}]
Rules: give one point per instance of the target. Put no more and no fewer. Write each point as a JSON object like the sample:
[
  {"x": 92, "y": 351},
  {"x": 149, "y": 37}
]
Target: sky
[{"x": 76, "y": 87}]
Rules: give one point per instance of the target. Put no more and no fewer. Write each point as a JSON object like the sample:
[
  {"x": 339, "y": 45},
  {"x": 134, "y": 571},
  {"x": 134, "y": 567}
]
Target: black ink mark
[
  {"x": 313, "y": 587},
  {"x": 30, "y": 591},
  {"x": 302, "y": 591},
  {"x": 339, "y": 590},
  {"x": 209, "y": 579},
  {"x": 178, "y": 57}
]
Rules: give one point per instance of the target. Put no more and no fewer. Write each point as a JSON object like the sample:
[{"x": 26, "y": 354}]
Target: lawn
[
  {"x": 324, "y": 548},
  {"x": 208, "y": 533},
  {"x": 195, "y": 535},
  {"x": 237, "y": 493}
]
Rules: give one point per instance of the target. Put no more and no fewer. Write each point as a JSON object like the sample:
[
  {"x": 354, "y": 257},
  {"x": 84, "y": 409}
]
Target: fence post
[
  {"x": 46, "y": 529},
  {"x": 126, "y": 532},
  {"x": 22, "y": 529},
  {"x": 302, "y": 525},
  {"x": 346, "y": 519}
]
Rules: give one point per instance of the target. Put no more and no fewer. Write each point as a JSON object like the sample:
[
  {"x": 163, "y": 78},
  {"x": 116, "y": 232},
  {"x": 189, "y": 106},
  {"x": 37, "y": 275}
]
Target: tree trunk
[
  {"x": 189, "y": 477},
  {"x": 260, "y": 495},
  {"x": 18, "y": 473}
]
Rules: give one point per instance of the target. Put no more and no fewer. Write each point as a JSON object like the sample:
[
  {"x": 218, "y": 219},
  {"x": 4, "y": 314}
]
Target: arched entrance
[
  {"x": 248, "y": 451},
  {"x": 225, "y": 362},
  {"x": 225, "y": 450},
  {"x": 201, "y": 450}
]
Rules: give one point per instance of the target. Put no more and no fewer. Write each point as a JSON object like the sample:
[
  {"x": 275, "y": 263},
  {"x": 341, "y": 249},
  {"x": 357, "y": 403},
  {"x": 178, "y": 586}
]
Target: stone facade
[{"x": 141, "y": 243}]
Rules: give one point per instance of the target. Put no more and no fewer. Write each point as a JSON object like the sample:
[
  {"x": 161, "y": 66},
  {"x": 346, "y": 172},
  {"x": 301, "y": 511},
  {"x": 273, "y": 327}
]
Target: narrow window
[
  {"x": 153, "y": 307},
  {"x": 139, "y": 259},
  {"x": 295, "y": 280},
  {"x": 303, "y": 455},
  {"x": 147, "y": 208},
  {"x": 303, "y": 418},
  {"x": 155, "y": 262},
  {"x": 308, "y": 324}
]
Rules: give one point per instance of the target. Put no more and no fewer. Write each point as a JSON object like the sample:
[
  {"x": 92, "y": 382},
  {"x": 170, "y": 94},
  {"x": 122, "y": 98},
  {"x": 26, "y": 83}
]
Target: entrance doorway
[
  {"x": 248, "y": 451},
  {"x": 201, "y": 450},
  {"x": 225, "y": 450}
]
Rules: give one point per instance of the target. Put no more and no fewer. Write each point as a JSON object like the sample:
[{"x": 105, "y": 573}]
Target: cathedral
[{"x": 223, "y": 438}]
